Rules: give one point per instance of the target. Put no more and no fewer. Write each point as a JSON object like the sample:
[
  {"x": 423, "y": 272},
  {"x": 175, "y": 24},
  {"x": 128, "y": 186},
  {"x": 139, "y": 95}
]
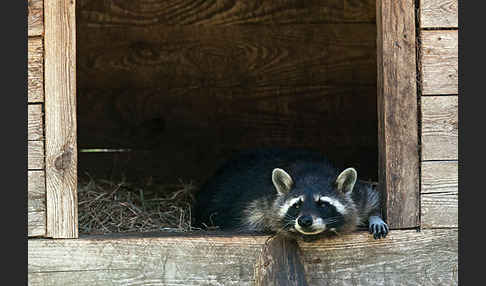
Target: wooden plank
[
  {"x": 241, "y": 56},
  {"x": 266, "y": 116},
  {"x": 438, "y": 14},
  {"x": 439, "y": 198},
  {"x": 439, "y": 128},
  {"x": 36, "y": 223},
  {"x": 36, "y": 186},
  {"x": 429, "y": 257},
  {"x": 439, "y": 177},
  {"x": 60, "y": 118},
  {"x": 439, "y": 210},
  {"x": 35, "y": 19},
  {"x": 35, "y": 126},
  {"x": 280, "y": 263},
  {"x": 197, "y": 163},
  {"x": 35, "y": 70},
  {"x": 355, "y": 266},
  {"x": 115, "y": 118},
  {"x": 35, "y": 155},
  {"x": 439, "y": 62},
  {"x": 36, "y": 203},
  {"x": 398, "y": 161},
  {"x": 222, "y": 12}
]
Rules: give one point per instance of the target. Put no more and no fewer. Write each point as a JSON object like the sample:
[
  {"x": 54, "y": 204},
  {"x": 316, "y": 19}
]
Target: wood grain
[
  {"x": 439, "y": 62},
  {"x": 228, "y": 118},
  {"x": 35, "y": 19},
  {"x": 35, "y": 126},
  {"x": 196, "y": 164},
  {"x": 439, "y": 198},
  {"x": 428, "y": 257},
  {"x": 439, "y": 210},
  {"x": 35, "y": 155},
  {"x": 438, "y": 14},
  {"x": 398, "y": 161},
  {"x": 35, "y": 69},
  {"x": 280, "y": 263},
  {"x": 36, "y": 224},
  {"x": 439, "y": 128},
  {"x": 439, "y": 177},
  {"x": 60, "y": 118},
  {"x": 222, "y": 12},
  {"x": 243, "y": 56},
  {"x": 229, "y": 87},
  {"x": 36, "y": 186},
  {"x": 36, "y": 203}
]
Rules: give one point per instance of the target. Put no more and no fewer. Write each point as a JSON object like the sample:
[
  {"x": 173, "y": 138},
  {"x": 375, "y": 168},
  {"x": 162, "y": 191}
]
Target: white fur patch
[
  {"x": 299, "y": 229},
  {"x": 317, "y": 224},
  {"x": 337, "y": 204},
  {"x": 288, "y": 204}
]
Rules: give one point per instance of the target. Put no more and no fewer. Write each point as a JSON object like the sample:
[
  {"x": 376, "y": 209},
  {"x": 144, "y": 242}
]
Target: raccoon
[{"x": 294, "y": 192}]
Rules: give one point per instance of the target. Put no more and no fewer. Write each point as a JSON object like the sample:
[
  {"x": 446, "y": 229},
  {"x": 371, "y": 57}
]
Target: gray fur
[
  {"x": 361, "y": 205},
  {"x": 304, "y": 196}
]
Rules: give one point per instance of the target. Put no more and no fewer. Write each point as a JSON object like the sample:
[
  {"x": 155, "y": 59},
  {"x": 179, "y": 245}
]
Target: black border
[
  {"x": 469, "y": 174},
  {"x": 14, "y": 135}
]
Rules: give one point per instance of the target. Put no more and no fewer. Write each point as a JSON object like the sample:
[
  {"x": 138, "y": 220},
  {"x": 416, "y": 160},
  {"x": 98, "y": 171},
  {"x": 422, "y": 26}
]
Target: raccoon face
[{"x": 310, "y": 210}]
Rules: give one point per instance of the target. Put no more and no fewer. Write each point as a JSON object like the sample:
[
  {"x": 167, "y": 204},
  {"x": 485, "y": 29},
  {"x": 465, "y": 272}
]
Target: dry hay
[{"x": 106, "y": 206}]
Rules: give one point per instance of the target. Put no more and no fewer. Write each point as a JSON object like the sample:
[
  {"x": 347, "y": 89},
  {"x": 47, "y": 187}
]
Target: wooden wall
[
  {"x": 428, "y": 257},
  {"x": 187, "y": 83},
  {"x": 35, "y": 109},
  {"x": 439, "y": 123},
  {"x": 52, "y": 204},
  {"x": 405, "y": 257}
]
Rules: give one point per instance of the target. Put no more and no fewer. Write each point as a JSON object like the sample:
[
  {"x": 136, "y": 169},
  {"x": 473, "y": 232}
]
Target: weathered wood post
[{"x": 280, "y": 263}]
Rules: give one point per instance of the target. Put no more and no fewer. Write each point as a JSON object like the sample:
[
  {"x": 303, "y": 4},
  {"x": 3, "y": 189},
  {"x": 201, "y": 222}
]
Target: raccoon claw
[{"x": 378, "y": 227}]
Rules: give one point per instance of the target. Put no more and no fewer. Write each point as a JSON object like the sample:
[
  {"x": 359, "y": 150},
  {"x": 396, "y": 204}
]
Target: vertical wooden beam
[
  {"x": 60, "y": 118},
  {"x": 280, "y": 263},
  {"x": 397, "y": 112}
]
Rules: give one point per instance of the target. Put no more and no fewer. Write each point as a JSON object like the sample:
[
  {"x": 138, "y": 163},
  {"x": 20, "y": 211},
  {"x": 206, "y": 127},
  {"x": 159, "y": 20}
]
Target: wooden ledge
[{"x": 420, "y": 258}]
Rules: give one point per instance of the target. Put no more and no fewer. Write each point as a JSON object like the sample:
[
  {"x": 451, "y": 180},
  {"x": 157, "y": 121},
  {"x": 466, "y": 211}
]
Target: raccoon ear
[
  {"x": 346, "y": 180},
  {"x": 282, "y": 181}
]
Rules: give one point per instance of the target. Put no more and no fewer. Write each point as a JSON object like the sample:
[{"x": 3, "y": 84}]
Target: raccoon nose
[{"x": 305, "y": 221}]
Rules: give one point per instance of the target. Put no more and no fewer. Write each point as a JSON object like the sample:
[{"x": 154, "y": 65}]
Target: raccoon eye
[{"x": 297, "y": 204}]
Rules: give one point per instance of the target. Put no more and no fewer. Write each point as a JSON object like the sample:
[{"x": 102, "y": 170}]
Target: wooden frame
[
  {"x": 397, "y": 115},
  {"x": 398, "y": 166},
  {"x": 420, "y": 258},
  {"x": 60, "y": 119},
  {"x": 439, "y": 113}
]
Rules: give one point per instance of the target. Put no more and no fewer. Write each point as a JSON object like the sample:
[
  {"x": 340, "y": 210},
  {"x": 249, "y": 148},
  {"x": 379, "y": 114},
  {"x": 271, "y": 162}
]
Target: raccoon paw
[{"x": 378, "y": 227}]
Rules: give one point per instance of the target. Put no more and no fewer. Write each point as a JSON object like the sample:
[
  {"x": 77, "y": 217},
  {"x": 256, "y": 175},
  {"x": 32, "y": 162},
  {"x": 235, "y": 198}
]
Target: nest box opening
[{"x": 168, "y": 90}]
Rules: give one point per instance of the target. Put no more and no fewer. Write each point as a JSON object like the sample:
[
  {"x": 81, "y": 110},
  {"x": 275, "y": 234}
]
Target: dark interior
[{"x": 184, "y": 84}]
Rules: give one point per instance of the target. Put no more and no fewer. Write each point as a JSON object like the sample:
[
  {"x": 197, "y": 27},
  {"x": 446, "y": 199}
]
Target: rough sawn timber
[
  {"x": 439, "y": 195},
  {"x": 398, "y": 160},
  {"x": 440, "y": 127},
  {"x": 223, "y": 12},
  {"x": 438, "y": 14},
  {"x": 35, "y": 19},
  {"x": 35, "y": 155},
  {"x": 280, "y": 264},
  {"x": 440, "y": 61},
  {"x": 35, "y": 69},
  {"x": 36, "y": 203},
  {"x": 419, "y": 258},
  {"x": 60, "y": 118},
  {"x": 35, "y": 127}
]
